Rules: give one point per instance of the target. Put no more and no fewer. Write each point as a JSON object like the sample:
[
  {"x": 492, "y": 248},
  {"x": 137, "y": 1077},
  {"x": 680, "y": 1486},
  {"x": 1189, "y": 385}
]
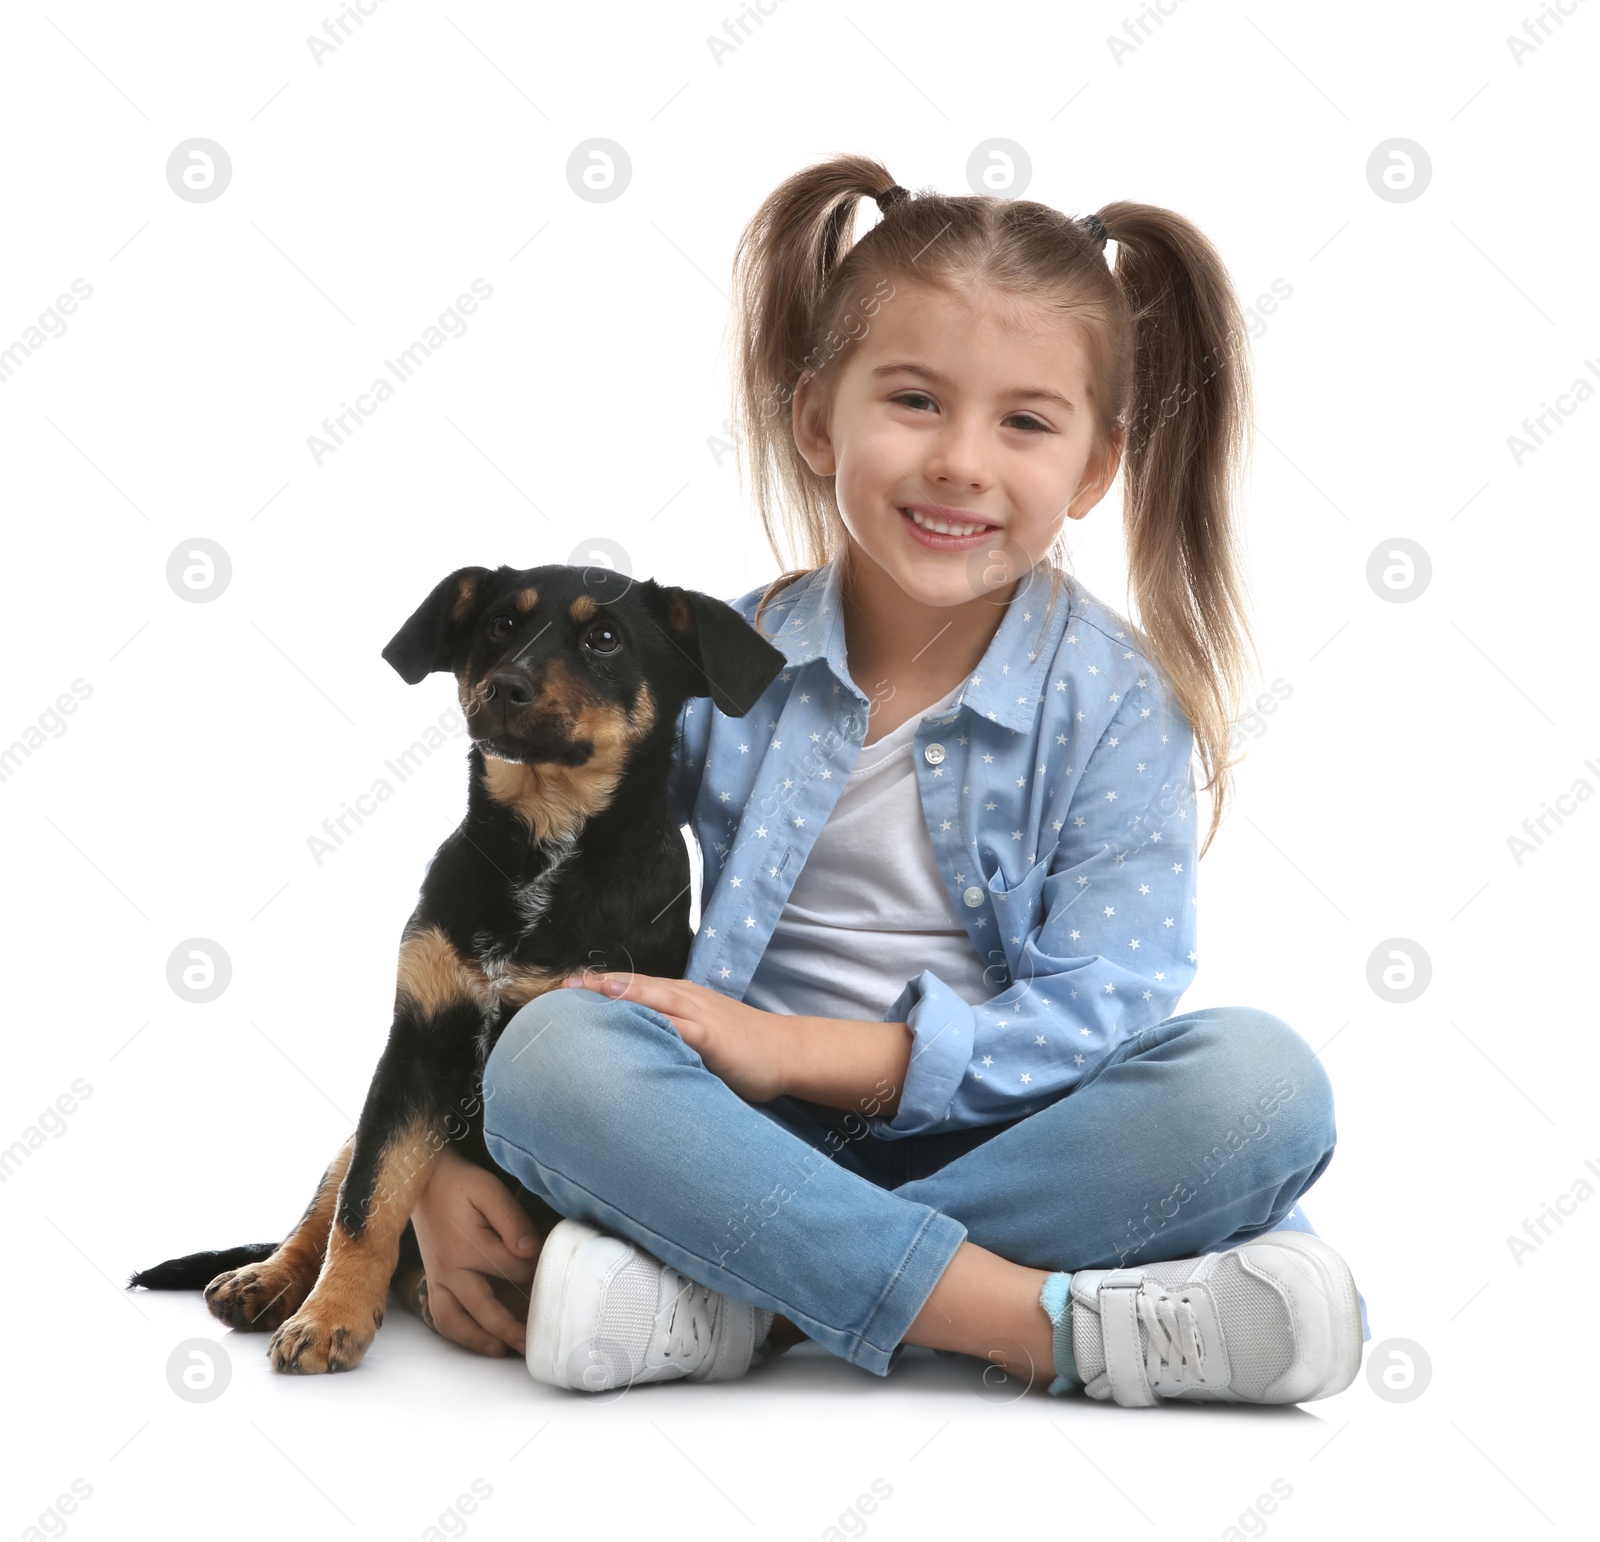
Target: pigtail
[
  {"x": 1187, "y": 421},
  {"x": 782, "y": 267}
]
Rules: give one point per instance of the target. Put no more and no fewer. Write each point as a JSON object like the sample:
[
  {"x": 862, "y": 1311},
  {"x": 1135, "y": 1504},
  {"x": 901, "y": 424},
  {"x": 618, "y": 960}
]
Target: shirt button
[
  {"x": 934, "y": 754},
  {"x": 973, "y": 897}
]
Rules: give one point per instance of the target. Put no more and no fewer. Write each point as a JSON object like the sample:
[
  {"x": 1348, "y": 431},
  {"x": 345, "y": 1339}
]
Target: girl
[{"x": 923, "y": 1083}]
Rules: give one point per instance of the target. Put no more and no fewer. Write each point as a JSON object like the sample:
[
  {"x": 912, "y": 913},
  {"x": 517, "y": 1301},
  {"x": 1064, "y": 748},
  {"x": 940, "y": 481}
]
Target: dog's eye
[
  {"x": 602, "y": 638},
  {"x": 500, "y": 628}
]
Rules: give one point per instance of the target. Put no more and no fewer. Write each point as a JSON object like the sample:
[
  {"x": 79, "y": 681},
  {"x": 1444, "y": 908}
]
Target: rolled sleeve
[{"x": 943, "y": 1027}]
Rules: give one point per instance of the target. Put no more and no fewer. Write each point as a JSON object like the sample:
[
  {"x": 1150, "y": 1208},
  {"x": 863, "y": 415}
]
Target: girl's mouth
[{"x": 945, "y": 529}]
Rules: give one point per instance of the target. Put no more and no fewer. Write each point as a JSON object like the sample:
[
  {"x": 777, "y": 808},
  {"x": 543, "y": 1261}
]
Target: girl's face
[{"x": 959, "y": 426}]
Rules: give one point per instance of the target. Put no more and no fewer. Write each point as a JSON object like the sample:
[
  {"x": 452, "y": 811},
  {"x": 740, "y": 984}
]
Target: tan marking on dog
[
  {"x": 522, "y": 982},
  {"x": 583, "y": 608},
  {"x": 258, "y": 1297},
  {"x": 551, "y": 800},
  {"x": 643, "y": 717},
  {"x": 563, "y": 695},
  {"x": 466, "y": 592},
  {"x": 527, "y": 599},
  {"x": 681, "y": 614},
  {"x": 434, "y": 977},
  {"x": 557, "y": 800},
  {"x": 343, "y": 1313}
]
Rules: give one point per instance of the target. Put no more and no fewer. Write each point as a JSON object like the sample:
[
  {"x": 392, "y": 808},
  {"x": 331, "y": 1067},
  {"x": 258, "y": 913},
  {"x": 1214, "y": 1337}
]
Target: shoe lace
[
  {"x": 1173, "y": 1347},
  {"x": 693, "y": 1319}
]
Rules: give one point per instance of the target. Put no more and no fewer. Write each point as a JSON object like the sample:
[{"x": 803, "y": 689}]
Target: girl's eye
[
  {"x": 1028, "y": 421},
  {"x": 911, "y": 399},
  {"x": 602, "y": 638},
  {"x": 500, "y": 627}
]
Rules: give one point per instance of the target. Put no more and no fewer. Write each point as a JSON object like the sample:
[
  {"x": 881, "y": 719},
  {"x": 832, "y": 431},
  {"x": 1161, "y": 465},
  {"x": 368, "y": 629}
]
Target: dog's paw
[
  {"x": 321, "y": 1338},
  {"x": 259, "y": 1297}
]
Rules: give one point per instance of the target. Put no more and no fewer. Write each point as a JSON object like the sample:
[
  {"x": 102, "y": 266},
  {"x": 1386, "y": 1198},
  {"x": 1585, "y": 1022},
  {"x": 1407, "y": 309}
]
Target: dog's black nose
[{"x": 511, "y": 688}]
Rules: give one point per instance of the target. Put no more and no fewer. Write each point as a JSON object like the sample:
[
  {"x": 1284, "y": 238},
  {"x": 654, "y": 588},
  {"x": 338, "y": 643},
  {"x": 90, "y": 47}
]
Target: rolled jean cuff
[{"x": 907, "y": 1292}]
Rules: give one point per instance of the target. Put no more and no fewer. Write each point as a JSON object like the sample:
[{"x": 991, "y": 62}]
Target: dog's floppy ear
[
  {"x": 428, "y": 640},
  {"x": 732, "y": 662}
]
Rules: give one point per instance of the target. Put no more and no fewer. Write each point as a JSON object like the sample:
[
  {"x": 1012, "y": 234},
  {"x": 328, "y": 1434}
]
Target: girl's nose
[{"x": 958, "y": 455}]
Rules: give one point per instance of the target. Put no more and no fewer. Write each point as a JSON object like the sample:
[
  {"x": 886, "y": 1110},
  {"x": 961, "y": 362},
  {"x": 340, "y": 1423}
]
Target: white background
[{"x": 585, "y": 401}]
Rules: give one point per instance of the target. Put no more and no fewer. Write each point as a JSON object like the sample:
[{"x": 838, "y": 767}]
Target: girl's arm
[
  {"x": 764, "y": 1055},
  {"x": 841, "y": 1063}
]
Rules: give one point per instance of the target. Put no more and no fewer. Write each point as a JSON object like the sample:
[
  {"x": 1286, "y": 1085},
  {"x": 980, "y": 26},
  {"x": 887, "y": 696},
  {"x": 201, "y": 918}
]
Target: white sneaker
[
  {"x": 1274, "y": 1320},
  {"x": 606, "y": 1314}
]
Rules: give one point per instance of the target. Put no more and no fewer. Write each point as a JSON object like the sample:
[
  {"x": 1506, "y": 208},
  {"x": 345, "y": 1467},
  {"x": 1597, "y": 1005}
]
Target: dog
[{"x": 571, "y": 681}]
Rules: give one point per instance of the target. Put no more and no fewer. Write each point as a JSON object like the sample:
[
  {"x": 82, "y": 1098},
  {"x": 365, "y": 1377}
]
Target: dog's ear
[
  {"x": 732, "y": 662},
  {"x": 428, "y": 640}
]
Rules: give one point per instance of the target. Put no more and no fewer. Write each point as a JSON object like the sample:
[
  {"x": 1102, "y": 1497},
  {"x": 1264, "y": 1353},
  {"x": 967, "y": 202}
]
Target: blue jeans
[{"x": 1191, "y": 1136}]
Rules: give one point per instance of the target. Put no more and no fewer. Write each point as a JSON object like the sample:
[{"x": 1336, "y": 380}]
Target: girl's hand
[
  {"x": 473, "y": 1233},
  {"x": 745, "y": 1046}
]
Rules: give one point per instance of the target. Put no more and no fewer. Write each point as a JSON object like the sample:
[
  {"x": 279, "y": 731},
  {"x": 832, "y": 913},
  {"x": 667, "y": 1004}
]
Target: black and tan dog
[{"x": 571, "y": 680}]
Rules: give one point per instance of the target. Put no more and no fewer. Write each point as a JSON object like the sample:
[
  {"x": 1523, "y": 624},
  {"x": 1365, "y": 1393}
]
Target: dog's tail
[{"x": 197, "y": 1270}]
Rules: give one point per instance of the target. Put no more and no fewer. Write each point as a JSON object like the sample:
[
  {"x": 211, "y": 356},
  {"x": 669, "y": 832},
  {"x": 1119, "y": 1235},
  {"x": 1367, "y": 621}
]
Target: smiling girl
[{"x": 924, "y": 1082}]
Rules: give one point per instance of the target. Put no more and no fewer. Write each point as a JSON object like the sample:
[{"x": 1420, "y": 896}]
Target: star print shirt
[{"x": 1059, "y": 804}]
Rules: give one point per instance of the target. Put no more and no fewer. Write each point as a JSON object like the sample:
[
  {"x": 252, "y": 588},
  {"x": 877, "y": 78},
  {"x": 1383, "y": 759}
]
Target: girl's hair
[{"x": 1168, "y": 376}]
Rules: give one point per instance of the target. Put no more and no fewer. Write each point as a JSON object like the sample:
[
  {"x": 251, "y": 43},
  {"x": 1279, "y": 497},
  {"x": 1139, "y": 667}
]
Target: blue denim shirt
[{"x": 1058, "y": 798}]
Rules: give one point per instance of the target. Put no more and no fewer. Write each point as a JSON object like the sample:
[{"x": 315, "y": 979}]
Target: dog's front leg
[
  {"x": 420, "y": 1097},
  {"x": 388, "y": 1171},
  {"x": 261, "y": 1296}
]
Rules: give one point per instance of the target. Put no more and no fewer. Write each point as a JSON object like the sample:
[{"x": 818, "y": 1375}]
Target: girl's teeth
[{"x": 942, "y": 527}]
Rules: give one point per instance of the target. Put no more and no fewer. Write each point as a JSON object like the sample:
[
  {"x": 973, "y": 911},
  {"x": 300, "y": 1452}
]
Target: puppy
[{"x": 571, "y": 680}]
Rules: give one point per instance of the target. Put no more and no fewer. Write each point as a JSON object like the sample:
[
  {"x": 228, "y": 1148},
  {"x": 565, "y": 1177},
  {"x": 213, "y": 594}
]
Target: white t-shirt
[{"x": 868, "y": 911}]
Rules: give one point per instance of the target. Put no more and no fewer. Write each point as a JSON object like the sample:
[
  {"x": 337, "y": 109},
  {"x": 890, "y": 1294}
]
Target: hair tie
[
  {"x": 889, "y": 198},
  {"x": 1095, "y": 226}
]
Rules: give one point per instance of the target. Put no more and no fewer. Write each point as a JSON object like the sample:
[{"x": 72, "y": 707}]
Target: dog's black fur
[{"x": 571, "y": 680}]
